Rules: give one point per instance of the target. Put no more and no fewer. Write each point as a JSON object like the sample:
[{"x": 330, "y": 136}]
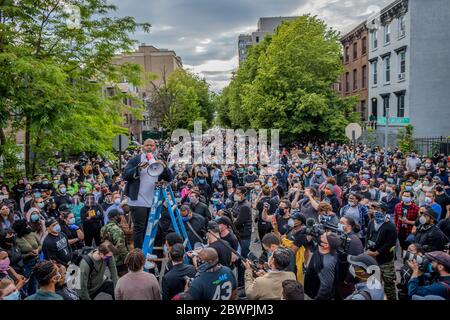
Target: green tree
[
  {"x": 53, "y": 75},
  {"x": 405, "y": 140},
  {"x": 182, "y": 99},
  {"x": 286, "y": 83}
]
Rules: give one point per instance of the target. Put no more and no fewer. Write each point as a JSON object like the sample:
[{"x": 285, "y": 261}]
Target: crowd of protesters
[{"x": 330, "y": 222}]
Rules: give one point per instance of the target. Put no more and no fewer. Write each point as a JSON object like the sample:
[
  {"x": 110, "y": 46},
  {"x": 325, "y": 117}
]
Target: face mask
[
  {"x": 37, "y": 195},
  {"x": 15, "y": 295},
  {"x": 406, "y": 199},
  {"x": 185, "y": 219},
  {"x": 427, "y": 200},
  {"x": 81, "y": 191},
  {"x": 57, "y": 228},
  {"x": 4, "y": 264},
  {"x": 422, "y": 220},
  {"x": 63, "y": 190},
  {"x": 117, "y": 201},
  {"x": 34, "y": 217},
  {"x": 408, "y": 188},
  {"x": 41, "y": 205},
  {"x": 318, "y": 173},
  {"x": 378, "y": 217},
  {"x": 165, "y": 250},
  {"x": 45, "y": 182},
  {"x": 201, "y": 181},
  {"x": 257, "y": 187},
  {"x": 71, "y": 221},
  {"x": 237, "y": 198},
  {"x": 269, "y": 184},
  {"x": 291, "y": 223},
  {"x": 353, "y": 203},
  {"x": 390, "y": 180},
  {"x": 340, "y": 227},
  {"x": 430, "y": 268},
  {"x": 325, "y": 219}
]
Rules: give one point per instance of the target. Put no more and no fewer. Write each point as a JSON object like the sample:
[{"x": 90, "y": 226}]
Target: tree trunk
[
  {"x": 27, "y": 145},
  {"x": 2, "y": 140}
]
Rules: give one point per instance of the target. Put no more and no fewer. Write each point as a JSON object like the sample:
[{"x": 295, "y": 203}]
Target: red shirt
[{"x": 411, "y": 214}]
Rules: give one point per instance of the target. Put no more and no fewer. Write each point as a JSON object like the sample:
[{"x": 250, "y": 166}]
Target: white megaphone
[{"x": 155, "y": 169}]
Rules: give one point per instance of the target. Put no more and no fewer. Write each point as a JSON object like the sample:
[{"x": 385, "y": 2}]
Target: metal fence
[{"x": 431, "y": 145}]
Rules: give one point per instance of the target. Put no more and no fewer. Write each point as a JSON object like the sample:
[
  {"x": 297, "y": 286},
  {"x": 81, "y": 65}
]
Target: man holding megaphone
[{"x": 142, "y": 174}]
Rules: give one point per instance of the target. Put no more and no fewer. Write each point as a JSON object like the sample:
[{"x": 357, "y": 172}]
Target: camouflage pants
[{"x": 388, "y": 276}]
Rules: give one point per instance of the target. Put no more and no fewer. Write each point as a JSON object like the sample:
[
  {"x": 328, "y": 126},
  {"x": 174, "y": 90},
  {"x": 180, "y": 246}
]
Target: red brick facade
[{"x": 355, "y": 79}]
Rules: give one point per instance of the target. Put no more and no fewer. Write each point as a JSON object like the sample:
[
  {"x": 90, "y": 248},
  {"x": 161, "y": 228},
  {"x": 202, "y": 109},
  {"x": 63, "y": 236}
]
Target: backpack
[{"x": 73, "y": 274}]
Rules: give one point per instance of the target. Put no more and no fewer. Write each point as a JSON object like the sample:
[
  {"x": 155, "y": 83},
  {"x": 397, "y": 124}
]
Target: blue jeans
[{"x": 31, "y": 287}]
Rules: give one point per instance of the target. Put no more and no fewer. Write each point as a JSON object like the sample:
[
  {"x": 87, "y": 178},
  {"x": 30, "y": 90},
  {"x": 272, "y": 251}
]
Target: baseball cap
[
  {"x": 224, "y": 220},
  {"x": 362, "y": 260},
  {"x": 113, "y": 213},
  {"x": 213, "y": 226},
  {"x": 440, "y": 257},
  {"x": 50, "y": 221},
  {"x": 299, "y": 216}
]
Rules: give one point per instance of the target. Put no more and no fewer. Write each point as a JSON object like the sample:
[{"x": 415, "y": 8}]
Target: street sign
[
  {"x": 353, "y": 131},
  {"x": 120, "y": 142},
  {"x": 393, "y": 120}
]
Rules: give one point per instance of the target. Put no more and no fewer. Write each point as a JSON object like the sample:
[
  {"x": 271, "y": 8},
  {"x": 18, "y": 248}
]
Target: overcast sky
[{"x": 204, "y": 33}]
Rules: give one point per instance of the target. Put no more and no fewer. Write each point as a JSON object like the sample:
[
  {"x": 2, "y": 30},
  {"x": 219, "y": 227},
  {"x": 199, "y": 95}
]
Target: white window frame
[
  {"x": 374, "y": 78},
  {"x": 387, "y": 32},
  {"x": 401, "y": 27},
  {"x": 385, "y": 69},
  {"x": 374, "y": 42},
  {"x": 400, "y": 54}
]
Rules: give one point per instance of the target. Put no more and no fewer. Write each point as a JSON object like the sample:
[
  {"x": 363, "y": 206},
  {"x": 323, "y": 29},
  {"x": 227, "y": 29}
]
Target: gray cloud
[{"x": 205, "y": 31}]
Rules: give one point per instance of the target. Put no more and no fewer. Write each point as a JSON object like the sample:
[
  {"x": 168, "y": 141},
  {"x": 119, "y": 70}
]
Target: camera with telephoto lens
[
  {"x": 422, "y": 261},
  {"x": 315, "y": 230}
]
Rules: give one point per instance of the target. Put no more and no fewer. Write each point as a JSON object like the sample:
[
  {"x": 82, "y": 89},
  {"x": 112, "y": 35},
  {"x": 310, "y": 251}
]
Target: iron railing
[{"x": 431, "y": 145}]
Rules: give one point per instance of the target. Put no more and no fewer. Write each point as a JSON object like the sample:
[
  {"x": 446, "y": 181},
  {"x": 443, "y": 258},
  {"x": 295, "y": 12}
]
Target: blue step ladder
[{"x": 162, "y": 194}]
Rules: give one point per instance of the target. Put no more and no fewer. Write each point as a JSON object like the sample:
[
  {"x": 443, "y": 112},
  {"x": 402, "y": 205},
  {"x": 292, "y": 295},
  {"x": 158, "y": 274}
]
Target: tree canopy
[{"x": 286, "y": 82}]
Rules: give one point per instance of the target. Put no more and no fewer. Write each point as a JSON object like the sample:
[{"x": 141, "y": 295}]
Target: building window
[
  {"x": 363, "y": 110},
  {"x": 401, "y": 105},
  {"x": 340, "y": 86},
  {"x": 375, "y": 107},
  {"x": 402, "y": 65},
  {"x": 363, "y": 77},
  {"x": 401, "y": 26},
  {"x": 126, "y": 119},
  {"x": 257, "y": 39},
  {"x": 387, "y": 33},
  {"x": 355, "y": 79},
  {"x": 364, "y": 46},
  {"x": 385, "y": 105},
  {"x": 347, "y": 56},
  {"x": 387, "y": 69},
  {"x": 355, "y": 50},
  {"x": 374, "y": 39},
  {"x": 375, "y": 72},
  {"x": 347, "y": 82}
]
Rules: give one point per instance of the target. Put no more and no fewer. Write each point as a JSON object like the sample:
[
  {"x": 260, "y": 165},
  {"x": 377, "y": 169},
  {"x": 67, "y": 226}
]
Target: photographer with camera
[
  {"x": 173, "y": 281},
  {"x": 428, "y": 235},
  {"x": 269, "y": 286},
  {"x": 214, "y": 281},
  {"x": 439, "y": 268},
  {"x": 414, "y": 252},
  {"x": 354, "y": 247},
  {"x": 380, "y": 244},
  {"x": 320, "y": 277}
]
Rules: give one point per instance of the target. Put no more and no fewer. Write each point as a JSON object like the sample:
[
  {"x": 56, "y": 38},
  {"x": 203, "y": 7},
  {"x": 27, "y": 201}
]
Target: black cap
[
  {"x": 114, "y": 213},
  {"x": 430, "y": 212},
  {"x": 50, "y": 221},
  {"x": 382, "y": 205},
  {"x": 224, "y": 220},
  {"x": 213, "y": 226},
  {"x": 63, "y": 208}
]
